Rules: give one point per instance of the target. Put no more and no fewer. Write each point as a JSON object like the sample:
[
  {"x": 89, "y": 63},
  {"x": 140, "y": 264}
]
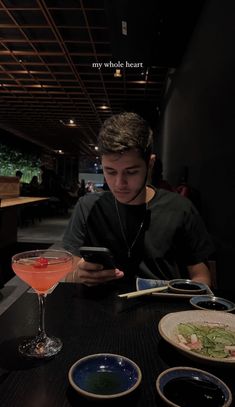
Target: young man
[{"x": 152, "y": 233}]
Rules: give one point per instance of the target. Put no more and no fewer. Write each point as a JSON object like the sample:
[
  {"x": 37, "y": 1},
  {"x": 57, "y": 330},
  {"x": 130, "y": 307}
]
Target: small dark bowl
[
  {"x": 104, "y": 376},
  {"x": 186, "y": 386},
  {"x": 185, "y": 286},
  {"x": 213, "y": 303}
]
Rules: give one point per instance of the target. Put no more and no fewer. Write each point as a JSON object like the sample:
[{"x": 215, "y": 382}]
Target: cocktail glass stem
[
  {"x": 41, "y": 346},
  {"x": 42, "y": 304}
]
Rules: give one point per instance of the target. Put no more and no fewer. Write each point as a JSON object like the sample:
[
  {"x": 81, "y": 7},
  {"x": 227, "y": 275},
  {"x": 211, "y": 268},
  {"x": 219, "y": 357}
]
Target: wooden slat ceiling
[{"x": 48, "y": 49}]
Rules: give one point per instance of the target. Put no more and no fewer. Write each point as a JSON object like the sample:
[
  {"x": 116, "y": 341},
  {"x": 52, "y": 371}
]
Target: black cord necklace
[{"x": 129, "y": 247}]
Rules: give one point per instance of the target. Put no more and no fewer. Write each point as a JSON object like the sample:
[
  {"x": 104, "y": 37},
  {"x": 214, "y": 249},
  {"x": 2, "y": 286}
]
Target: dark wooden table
[
  {"x": 9, "y": 216},
  {"x": 88, "y": 320}
]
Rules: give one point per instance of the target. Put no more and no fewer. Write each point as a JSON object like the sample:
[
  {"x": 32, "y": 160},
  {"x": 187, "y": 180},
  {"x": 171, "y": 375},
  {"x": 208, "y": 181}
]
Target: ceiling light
[
  {"x": 69, "y": 123},
  {"x": 59, "y": 151},
  {"x": 117, "y": 73},
  {"x": 103, "y": 107}
]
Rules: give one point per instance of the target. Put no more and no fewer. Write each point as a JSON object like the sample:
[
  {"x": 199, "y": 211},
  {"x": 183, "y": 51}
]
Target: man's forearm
[{"x": 200, "y": 272}]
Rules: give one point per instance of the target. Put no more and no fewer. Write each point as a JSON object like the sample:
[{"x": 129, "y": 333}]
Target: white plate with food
[
  {"x": 146, "y": 283},
  {"x": 202, "y": 335}
]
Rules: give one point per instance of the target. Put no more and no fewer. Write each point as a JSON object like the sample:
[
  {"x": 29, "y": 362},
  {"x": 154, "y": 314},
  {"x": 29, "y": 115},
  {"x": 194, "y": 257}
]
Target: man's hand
[{"x": 91, "y": 273}]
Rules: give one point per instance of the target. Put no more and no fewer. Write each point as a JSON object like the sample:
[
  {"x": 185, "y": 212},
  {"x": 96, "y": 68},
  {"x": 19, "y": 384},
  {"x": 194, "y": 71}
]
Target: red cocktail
[{"x": 42, "y": 269}]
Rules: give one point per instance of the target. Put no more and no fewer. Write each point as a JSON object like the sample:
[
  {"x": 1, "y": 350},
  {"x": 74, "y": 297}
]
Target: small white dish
[
  {"x": 186, "y": 386},
  {"x": 104, "y": 376},
  {"x": 211, "y": 302}
]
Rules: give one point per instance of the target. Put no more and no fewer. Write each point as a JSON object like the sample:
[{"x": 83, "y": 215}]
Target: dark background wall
[{"x": 198, "y": 129}]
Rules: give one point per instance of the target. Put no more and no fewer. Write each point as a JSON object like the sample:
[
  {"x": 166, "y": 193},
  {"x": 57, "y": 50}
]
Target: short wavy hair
[{"x": 125, "y": 131}]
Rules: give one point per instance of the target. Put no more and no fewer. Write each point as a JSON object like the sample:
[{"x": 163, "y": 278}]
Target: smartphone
[{"x": 99, "y": 255}]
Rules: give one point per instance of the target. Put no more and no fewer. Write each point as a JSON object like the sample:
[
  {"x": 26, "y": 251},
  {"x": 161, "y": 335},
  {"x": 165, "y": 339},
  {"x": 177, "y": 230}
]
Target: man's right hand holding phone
[{"x": 92, "y": 273}]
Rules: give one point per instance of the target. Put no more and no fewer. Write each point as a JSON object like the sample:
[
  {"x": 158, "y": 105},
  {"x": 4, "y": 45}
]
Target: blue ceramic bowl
[
  {"x": 186, "y": 386},
  {"x": 104, "y": 376},
  {"x": 212, "y": 303}
]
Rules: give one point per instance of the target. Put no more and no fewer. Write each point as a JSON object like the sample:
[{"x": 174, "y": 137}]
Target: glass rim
[{"x": 19, "y": 256}]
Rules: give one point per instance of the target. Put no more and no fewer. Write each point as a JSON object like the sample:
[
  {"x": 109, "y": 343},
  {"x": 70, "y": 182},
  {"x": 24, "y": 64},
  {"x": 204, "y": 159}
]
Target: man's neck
[
  {"x": 150, "y": 193},
  {"x": 146, "y": 196}
]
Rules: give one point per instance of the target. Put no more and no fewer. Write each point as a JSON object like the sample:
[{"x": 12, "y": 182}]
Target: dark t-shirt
[{"x": 173, "y": 235}]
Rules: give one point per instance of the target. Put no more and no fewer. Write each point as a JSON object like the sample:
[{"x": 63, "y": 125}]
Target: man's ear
[{"x": 152, "y": 160}]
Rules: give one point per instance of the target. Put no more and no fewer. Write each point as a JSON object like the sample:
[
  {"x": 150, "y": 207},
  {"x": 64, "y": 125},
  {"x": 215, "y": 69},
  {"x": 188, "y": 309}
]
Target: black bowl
[
  {"x": 185, "y": 286},
  {"x": 186, "y": 386},
  {"x": 212, "y": 302}
]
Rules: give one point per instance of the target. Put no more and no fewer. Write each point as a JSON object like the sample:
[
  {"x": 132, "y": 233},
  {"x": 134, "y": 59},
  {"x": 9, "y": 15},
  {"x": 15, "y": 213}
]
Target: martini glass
[{"x": 42, "y": 269}]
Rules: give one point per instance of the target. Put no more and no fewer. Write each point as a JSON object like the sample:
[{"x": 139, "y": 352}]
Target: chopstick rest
[{"x": 134, "y": 294}]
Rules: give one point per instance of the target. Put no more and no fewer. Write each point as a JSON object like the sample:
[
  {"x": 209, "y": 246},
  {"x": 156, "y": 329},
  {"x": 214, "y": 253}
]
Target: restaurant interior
[
  {"x": 65, "y": 69},
  {"x": 175, "y": 68},
  {"x": 66, "y": 66}
]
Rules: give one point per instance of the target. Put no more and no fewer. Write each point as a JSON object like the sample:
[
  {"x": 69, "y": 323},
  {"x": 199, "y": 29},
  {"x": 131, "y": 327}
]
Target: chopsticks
[{"x": 134, "y": 294}]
